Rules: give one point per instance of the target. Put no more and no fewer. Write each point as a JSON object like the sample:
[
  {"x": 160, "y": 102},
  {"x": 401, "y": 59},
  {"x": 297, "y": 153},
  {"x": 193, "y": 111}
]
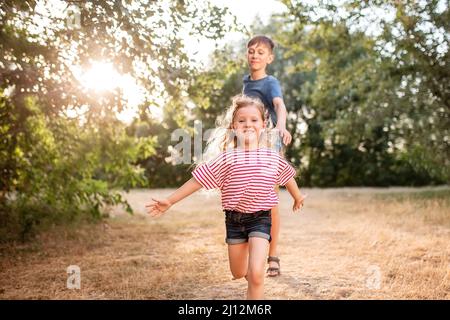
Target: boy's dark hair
[{"x": 261, "y": 39}]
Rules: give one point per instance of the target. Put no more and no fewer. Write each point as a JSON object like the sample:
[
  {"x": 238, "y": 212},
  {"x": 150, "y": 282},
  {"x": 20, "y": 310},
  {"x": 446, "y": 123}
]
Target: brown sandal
[{"x": 274, "y": 269}]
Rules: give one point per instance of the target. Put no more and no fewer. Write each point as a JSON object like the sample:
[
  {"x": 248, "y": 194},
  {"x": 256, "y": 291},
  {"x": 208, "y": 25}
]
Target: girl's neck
[
  {"x": 248, "y": 147},
  {"x": 258, "y": 75}
]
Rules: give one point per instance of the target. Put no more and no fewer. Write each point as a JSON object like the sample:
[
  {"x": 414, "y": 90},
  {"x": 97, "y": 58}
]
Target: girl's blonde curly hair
[{"x": 223, "y": 137}]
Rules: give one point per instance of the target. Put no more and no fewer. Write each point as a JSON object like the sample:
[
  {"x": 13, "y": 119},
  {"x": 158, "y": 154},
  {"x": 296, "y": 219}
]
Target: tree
[
  {"x": 346, "y": 97},
  {"x": 54, "y": 164},
  {"x": 371, "y": 82}
]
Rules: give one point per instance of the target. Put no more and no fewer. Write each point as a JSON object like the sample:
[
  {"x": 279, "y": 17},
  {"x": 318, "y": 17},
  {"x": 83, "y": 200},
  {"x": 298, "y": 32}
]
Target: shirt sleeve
[
  {"x": 285, "y": 173},
  {"x": 210, "y": 175},
  {"x": 275, "y": 89}
]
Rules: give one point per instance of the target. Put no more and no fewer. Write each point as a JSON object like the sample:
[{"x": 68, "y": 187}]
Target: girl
[{"x": 246, "y": 172}]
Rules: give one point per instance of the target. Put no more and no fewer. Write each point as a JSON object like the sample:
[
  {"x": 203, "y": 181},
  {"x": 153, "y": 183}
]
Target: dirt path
[{"x": 346, "y": 244}]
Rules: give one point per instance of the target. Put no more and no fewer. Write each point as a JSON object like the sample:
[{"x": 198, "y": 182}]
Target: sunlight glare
[{"x": 101, "y": 77}]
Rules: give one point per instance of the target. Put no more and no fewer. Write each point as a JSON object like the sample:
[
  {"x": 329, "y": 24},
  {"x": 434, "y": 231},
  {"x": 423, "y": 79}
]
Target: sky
[{"x": 245, "y": 12}]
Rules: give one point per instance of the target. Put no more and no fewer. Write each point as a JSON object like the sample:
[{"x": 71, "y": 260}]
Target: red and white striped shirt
[{"x": 246, "y": 178}]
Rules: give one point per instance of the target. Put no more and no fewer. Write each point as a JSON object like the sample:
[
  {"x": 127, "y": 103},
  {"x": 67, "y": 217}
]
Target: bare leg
[
  {"x": 238, "y": 258},
  {"x": 274, "y": 233},
  {"x": 258, "y": 248}
]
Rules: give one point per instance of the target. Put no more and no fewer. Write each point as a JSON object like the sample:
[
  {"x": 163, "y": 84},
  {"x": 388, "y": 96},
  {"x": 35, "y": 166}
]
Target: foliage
[
  {"x": 388, "y": 89},
  {"x": 63, "y": 152},
  {"x": 366, "y": 84},
  {"x": 354, "y": 119}
]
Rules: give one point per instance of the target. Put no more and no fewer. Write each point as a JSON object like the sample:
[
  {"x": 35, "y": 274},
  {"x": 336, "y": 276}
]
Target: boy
[{"x": 267, "y": 88}]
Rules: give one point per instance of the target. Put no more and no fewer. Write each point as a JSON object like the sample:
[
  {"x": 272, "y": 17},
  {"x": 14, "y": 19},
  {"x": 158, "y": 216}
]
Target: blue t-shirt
[{"x": 265, "y": 89}]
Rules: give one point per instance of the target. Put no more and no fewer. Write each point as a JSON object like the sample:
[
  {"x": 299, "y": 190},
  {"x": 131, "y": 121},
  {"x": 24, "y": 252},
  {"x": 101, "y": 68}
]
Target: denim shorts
[{"x": 242, "y": 226}]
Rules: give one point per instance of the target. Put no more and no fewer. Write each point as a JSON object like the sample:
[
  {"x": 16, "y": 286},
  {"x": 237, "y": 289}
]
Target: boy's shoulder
[
  {"x": 272, "y": 78},
  {"x": 269, "y": 78}
]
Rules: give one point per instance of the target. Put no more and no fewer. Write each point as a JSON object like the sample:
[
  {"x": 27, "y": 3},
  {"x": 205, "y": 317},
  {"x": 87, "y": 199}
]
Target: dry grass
[{"x": 327, "y": 252}]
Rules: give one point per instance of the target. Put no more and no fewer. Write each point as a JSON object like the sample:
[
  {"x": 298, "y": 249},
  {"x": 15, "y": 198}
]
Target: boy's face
[{"x": 259, "y": 56}]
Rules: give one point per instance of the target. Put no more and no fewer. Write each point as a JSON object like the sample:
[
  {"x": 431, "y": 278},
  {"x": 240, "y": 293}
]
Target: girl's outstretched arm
[
  {"x": 158, "y": 207},
  {"x": 293, "y": 189}
]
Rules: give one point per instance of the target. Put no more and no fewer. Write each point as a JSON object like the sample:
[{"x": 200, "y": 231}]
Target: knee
[
  {"x": 238, "y": 274},
  {"x": 255, "y": 277}
]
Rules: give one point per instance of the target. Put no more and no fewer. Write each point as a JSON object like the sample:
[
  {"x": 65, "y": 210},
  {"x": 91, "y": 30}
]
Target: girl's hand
[
  {"x": 158, "y": 207},
  {"x": 298, "y": 203}
]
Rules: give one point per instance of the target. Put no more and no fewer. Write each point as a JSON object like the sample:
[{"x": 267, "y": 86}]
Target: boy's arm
[
  {"x": 158, "y": 207},
  {"x": 293, "y": 189},
  {"x": 280, "y": 110}
]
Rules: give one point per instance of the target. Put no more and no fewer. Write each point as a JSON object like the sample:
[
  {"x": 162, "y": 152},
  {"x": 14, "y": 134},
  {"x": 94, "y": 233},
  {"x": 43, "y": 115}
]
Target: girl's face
[{"x": 248, "y": 124}]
